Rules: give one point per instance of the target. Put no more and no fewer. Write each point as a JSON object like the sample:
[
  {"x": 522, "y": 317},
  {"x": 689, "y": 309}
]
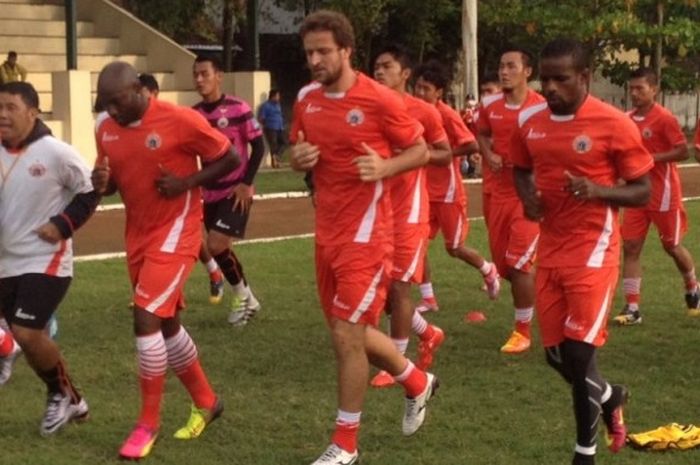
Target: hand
[
  {"x": 303, "y": 156},
  {"x": 169, "y": 185},
  {"x": 532, "y": 206},
  {"x": 372, "y": 167},
  {"x": 475, "y": 159},
  {"x": 242, "y": 195},
  {"x": 494, "y": 161},
  {"x": 100, "y": 176},
  {"x": 49, "y": 232},
  {"x": 581, "y": 187}
]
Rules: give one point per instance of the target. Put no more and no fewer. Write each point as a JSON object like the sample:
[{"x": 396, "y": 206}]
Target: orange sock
[
  {"x": 412, "y": 379},
  {"x": 183, "y": 359},
  {"x": 151, "y": 395},
  {"x": 428, "y": 333},
  {"x": 523, "y": 328},
  {"x": 7, "y": 343},
  {"x": 346, "y": 427}
]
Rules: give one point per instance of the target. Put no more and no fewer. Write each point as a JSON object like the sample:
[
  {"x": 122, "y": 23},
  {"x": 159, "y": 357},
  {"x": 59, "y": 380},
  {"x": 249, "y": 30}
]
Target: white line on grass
[{"x": 260, "y": 240}]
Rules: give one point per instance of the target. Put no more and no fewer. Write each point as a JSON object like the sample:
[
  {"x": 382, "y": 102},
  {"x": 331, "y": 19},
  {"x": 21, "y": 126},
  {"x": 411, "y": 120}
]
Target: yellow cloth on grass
[{"x": 671, "y": 436}]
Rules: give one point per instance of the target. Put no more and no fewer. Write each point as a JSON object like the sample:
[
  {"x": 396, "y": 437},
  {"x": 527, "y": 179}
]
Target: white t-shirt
[{"x": 45, "y": 177}]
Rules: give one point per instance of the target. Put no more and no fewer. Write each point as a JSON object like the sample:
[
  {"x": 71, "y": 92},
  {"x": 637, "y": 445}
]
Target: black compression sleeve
[
  {"x": 256, "y": 156},
  {"x": 76, "y": 213}
]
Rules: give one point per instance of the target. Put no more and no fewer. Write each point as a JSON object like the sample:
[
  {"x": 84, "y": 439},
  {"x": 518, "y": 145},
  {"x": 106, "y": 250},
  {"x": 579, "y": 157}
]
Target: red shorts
[
  {"x": 352, "y": 281},
  {"x": 410, "y": 247},
  {"x": 574, "y": 303},
  {"x": 671, "y": 225},
  {"x": 486, "y": 205},
  {"x": 159, "y": 281},
  {"x": 512, "y": 237},
  {"x": 451, "y": 219}
]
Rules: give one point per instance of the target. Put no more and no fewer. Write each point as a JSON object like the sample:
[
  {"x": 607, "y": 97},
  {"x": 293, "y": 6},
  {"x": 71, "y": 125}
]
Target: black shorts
[
  {"x": 29, "y": 300},
  {"x": 220, "y": 216}
]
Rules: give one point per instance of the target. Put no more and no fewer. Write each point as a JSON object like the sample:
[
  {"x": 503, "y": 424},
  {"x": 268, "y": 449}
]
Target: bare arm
[
  {"x": 494, "y": 160},
  {"x": 528, "y": 193},
  {"x": 440, "y": 154},
  {"x": 634, "y": 193},
  {"x": 466, "y": 149},
  {"x": 677, "y": 153},
  {"x": 373, "y": 167},
  {"x": 170, "y": 185}
]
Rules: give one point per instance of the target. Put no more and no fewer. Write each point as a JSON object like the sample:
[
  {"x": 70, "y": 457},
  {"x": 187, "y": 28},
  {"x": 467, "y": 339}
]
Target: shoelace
[
  {"x": 331, "y": 452},
  {"x": 53, "y": 405}
]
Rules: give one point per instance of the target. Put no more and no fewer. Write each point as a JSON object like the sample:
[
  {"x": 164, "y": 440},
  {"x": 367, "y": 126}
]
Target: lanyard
[{"x": 6, "y": 174}]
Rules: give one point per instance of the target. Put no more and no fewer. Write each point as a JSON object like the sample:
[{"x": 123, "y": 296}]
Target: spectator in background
[
  {"x": 270, "y": 117},
  {"x": 150, "y": 85},
  {"x": 11, "y": 71}
]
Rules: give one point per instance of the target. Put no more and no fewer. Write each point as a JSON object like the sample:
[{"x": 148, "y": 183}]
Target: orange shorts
[
  {"x": 352, "y": 281},
  {"x": 486, "y": 205},
  {"x": 410, "y": 247},
  {"x": 451, "y": 219},
  {"x": 512, "y": 237},
  {"x": 159, "y": 282},
  {"x": 574, "y": 303},
  {"x": 671, "y": 225}
]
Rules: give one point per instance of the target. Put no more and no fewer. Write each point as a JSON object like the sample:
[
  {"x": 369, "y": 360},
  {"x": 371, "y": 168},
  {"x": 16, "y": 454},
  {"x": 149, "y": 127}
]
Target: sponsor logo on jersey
[
  {"x": 107, "y": 137},
  {"x": 311, "y": 108},
  {"x": 222, "y": 122},
  {"x": 37, "y": 170},
  {"x": 355, "y": 117},
  {"x": 153, "y": 141},
  {"x": 582, "y": 144},
  {"x": 493, "y": 115},
  {"x": 532, "y": 134},
  {"x": 647, "y": 133}
]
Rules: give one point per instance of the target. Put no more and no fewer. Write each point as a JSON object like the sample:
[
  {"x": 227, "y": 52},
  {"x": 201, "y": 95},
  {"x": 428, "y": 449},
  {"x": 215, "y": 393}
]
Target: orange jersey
[
  {"x": 409, "y": 193},
  {"x": 445, "y": 182},
  {"x": 697, "y": 136},
  {"x": 598, "y": 142},
  {"x": 170, "y": 137},
  {"x": 500, "y": 119},
  {"x": 348, "y": 209},
  {"x": 660, "y": 133}
]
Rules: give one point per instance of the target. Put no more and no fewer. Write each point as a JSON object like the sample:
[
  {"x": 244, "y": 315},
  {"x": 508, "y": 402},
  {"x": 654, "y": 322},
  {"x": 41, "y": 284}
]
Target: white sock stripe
[
  {"x": 348, "y": 418},
  {"x": 418, "y": 323},
  {"x": 631, "y": 285},
  {"x": 607, "y": 394},
  {"x": 152, "y": 355},
  {"x": 585, "y": 450},
  {"x": 182, "y": 351},
  {"x": 524, "y": 315},
  {"x": 403, "y": 376}
]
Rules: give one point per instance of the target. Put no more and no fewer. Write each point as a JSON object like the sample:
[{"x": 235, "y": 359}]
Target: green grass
[{"x": 277, "y": 375}]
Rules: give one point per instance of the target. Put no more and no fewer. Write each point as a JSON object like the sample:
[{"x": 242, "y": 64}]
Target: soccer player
[
  {"x": 409, "y": 203},
  {"x": 148, "y": 150},
  {"x": 227, "y": 202},
  {"x": 663, "y": 138},
  {"x": 489, "y": 85},
  {"x": 216, "y": 278},
  {"x": 577, "y": 148},
  {"x": 512, "y": 237},
  {"x": 448, "y": 201},
  {"x": 353, "y": 132},
  {"x": 697, "y": 141},
  {"x": 46, "y": 196}
]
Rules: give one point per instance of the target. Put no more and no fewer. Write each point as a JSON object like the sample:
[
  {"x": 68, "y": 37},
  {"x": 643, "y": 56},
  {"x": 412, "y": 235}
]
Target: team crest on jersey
[
  {"x": 222, "y": 122},
  {"x": 582, "y": 144},
  {"x": 646, "y": 133},
  {"x": 153, "y": 141},
  {"x": 37, "y": 170},
  {"x": 355, "y": 117}
]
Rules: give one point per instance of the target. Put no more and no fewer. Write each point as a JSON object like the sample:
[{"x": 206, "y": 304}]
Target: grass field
[{"x": 277, "y": 375}]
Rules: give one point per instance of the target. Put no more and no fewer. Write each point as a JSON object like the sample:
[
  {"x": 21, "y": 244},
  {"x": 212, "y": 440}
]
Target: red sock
[
  {"x": 182, "y": 358},
  {"x": 428, "y": 333},
  {"x": 153, "y": 363},
  {"x": 412, "y": 379},
  {"x": 523, "y": 328},
  {"x": 7, "y": 343},
  {"x": 216, "y": 276},
  {"x": 346, "y": 427}
]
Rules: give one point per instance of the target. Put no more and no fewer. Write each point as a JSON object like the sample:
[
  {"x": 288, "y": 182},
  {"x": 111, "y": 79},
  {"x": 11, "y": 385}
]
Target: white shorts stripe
[
  {"x": 175, "y": 232},
  {"x": 364, "y": 232},
  {"x": 602, "y": 311},
  {"x": 677, "y": 234},
  {"x": 155, "y": 304},
  {"x": 458, "y": 234},
  {"x": 598, "y": 254},
  {"x": 527, "y": 256},
  {"x": 368, "y": 298},
  {"x": 414, "y": 263}
]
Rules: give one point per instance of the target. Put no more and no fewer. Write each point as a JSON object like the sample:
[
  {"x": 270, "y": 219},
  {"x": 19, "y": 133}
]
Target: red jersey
[
  {"x": 500, "y": 119},
  {"x": 697, "y": 136},
  {"x": 409, "y": 193},
  {"x": 347, "y": 208},
  {"x": 660, "y": 133},
  {"x": 598, "y": 142},
  {"x": 445, "y": 182},
  {"x": 173, "y": 138}
]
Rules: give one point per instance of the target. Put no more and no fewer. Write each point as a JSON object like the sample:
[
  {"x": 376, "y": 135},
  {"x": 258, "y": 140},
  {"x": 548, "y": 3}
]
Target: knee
[
  {"x": 632, "y": 249},
  {"x": 217, "y": 245},
  {"x": 26, "y": 337},
  {"x": 348, "y": 338},
  {"x": 672, "y": 249},
  {"x": 451, "y": 251}
]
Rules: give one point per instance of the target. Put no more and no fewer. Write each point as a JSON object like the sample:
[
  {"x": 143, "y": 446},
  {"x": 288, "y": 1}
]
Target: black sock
[
  {"x": 616, "y": 399},
  {"x": 587, "y": 390},
  {"x": 52, "y": 380},
  {"x": 580, "y": 459},
  {"x": 230, "y": 267}
]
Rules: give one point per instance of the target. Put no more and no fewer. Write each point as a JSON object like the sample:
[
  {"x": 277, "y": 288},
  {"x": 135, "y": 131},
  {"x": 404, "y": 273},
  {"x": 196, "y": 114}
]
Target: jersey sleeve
[
  {"x": 252, "y": 126},
  {"x": 400, "y": 129},
  {"x": 483, "y": 124},
  {"x": 74, "y": 172},
  {"x": 673, "y": 131},
  {"x": 434, "y": 132},
  {"x": 462, "y": 135},
  {"x": 519, "y": 154},
  {"x": 200, "y": 139},
  {"x": 631, "y": 158}
]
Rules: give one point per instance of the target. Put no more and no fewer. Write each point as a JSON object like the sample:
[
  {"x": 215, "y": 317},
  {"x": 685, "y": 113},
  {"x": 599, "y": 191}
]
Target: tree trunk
[{"x": 227, "y": 37}]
